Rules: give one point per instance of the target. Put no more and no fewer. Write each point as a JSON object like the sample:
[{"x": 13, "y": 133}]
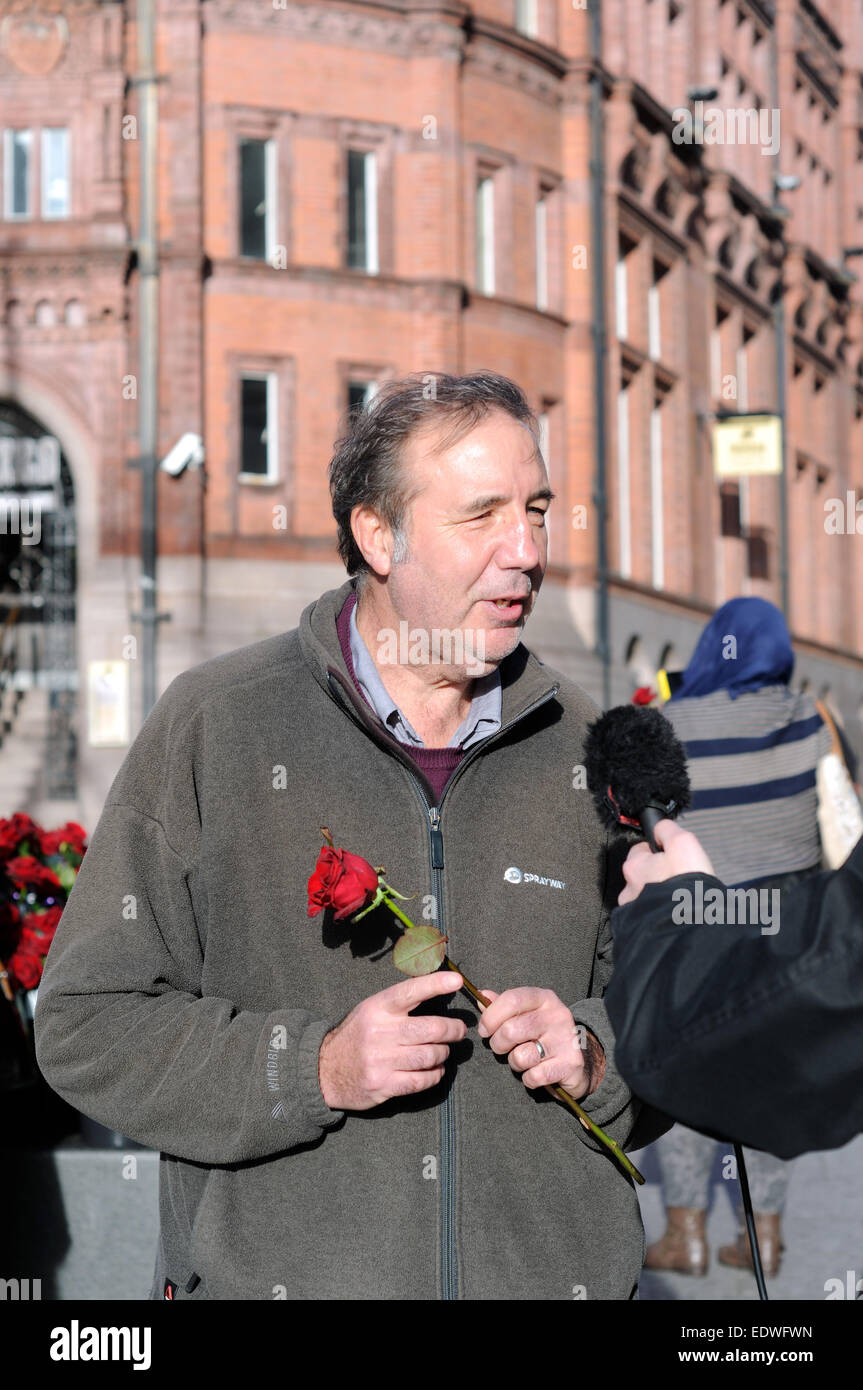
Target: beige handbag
[{"x": 840, "y": 815}]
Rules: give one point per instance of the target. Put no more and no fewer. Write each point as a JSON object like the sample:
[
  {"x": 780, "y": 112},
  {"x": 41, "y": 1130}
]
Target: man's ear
[{"x": 373, "y": 537}]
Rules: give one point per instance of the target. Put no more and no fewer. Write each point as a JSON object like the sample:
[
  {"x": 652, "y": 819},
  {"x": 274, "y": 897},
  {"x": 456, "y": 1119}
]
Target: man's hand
[
  {"x": 518, "y": 1019},
  {"x": 682, "y": 853},
  {"x": 379, "y": 1051}
]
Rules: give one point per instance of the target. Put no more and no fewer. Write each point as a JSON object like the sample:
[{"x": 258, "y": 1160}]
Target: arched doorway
[{"x": 38, "y": 577}]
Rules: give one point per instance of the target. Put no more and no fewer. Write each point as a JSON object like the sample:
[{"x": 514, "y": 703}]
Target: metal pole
[
  {"x": 148, "y": 406},
  {"x": 779, "y": 329},
  {"x": 597, "y": 173}
]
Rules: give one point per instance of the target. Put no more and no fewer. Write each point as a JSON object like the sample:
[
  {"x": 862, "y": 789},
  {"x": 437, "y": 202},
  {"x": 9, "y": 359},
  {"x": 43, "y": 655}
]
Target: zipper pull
[{"x": 436, "y": 838}]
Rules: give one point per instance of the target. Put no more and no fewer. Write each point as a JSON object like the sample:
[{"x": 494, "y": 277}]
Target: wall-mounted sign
[
  {"x": 107, "y": 704},
  {"x": 747, "y": 444}
]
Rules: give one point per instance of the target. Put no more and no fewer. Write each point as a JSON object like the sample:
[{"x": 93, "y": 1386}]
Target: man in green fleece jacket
[{"x": 328, "y": 1128}]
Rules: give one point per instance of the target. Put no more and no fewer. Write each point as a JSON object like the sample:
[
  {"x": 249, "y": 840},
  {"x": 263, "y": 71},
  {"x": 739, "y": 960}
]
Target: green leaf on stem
[{"x": 419, "y": 950}]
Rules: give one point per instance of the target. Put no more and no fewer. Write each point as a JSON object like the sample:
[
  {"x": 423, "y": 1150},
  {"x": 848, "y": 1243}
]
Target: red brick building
[{"x": 351, "y": 191}]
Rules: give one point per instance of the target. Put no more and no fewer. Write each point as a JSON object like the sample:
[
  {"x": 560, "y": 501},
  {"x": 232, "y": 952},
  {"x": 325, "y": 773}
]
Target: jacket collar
[{"x": 523, "y": 677}]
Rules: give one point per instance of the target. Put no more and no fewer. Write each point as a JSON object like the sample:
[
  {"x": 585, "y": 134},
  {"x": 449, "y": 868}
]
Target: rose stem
[{"x": 556, "y": 1091}]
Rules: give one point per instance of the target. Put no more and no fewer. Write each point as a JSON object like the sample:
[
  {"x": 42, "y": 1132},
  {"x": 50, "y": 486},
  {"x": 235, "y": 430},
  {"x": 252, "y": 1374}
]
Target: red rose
[
  {"x": 341, "y": 880},
  {"x": 71, "y": 833},
  {"x": 40, "y": 926},
  {"x": 26, "y": 965},
  {"x": 13, "y": 832},
  {"x": 28, "y": 871}
]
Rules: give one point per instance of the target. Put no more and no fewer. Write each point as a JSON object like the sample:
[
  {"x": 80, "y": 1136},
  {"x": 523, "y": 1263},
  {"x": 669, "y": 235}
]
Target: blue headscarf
[{"x": 745, "y": 645}]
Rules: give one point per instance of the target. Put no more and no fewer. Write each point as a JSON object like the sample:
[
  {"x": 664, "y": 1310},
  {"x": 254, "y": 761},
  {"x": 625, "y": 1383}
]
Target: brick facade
[{"x": 443, "y": 96}]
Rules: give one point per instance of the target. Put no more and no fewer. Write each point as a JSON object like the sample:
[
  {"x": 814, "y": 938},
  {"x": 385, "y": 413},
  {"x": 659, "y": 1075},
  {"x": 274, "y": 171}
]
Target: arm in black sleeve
[
  {"x": 612, "y": 1105},
  {"x": 753, "y": 1035}
]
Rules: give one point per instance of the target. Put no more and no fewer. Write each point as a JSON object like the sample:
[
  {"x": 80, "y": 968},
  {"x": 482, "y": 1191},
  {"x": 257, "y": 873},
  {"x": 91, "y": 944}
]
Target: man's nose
[{"x": 519, "y": 548}]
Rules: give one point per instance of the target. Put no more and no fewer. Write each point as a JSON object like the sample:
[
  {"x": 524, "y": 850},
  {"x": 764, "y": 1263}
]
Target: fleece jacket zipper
[{"x": 449, "y": 1258}]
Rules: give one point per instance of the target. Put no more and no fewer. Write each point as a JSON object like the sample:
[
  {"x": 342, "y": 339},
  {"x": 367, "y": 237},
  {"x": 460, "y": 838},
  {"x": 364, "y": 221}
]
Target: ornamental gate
[{"x": 38, "y": 576}]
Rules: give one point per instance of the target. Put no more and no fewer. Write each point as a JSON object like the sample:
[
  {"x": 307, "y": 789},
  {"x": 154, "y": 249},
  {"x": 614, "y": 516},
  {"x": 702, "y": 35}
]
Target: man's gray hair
[{"x": 366, "y": 468}]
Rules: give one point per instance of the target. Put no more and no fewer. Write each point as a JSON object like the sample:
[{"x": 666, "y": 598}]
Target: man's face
[{"x": 475, "y": 533}]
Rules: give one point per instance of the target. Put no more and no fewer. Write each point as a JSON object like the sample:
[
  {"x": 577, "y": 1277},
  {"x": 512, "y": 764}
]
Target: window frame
[
  {"x": 45, "y": 216},
  {"x": 272, "y": 475},
  {"x": 9, "y": 133},
  {"x": 271, "y": 195}
]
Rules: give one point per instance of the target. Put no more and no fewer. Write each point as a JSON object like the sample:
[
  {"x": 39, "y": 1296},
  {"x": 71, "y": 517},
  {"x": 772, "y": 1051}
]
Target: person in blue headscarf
[
  {"x": 746, "y": 645},
  {"x": 752, "y": 746}
]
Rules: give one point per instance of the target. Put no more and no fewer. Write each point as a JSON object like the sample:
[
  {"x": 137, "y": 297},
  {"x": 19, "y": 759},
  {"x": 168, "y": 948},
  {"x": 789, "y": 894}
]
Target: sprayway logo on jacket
[{"x": 514, "y": 875}]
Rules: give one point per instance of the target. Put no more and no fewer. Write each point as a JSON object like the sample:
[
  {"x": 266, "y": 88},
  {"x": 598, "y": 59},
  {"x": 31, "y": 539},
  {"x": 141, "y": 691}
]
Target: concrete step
[{"x": 22, "y": 754}]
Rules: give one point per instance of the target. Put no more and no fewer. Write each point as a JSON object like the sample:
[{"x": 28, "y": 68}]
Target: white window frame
[
  {"x": 270, "y": 193},
  {"x": 45, "y": 133},
  {"x": 624, "y": 531},
  {"x": 370, "y": 189},
  {"x": 621, "y": 306},
  {"x": 527, "y": 18},
  {"x": 485, "y": 234},
  {"x": 270, "y": 199},
  {"x": 8, "y": 174},
  {"x": 656, "y": 519},
  {"x": 541, "y": 226},
  {"x": 272, "y": 427}
]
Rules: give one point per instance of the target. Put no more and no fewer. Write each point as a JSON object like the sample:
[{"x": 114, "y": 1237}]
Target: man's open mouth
[{"x": 507, "y": 607}]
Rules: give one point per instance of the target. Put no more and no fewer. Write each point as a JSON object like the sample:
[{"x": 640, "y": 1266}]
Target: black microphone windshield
[{"x": 634, "y": 762}]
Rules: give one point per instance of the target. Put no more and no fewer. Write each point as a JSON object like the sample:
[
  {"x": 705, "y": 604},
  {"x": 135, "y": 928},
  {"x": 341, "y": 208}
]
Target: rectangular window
[
  {"x": 55, "y": 172},
  {"x": 742, "y": 380},
  {"x": 729, "y": 509},
  {"x": 257, "y": 198},
  {"x": 360, "y": 393},
  {"x": 542, "y": 422},
  {"x": 485, "y": 235},
  {"x": 715, "y": 363},
  {"x": 653, "y": 324},
  {"x": 624, "y": 533},
  {"x": 526, "y": 17},
  {"x": 621, "y": 315},
  {"x": 541, "y": 253},
  {"x": 363, "y": 211},
  {"x": 657, "y": 540},
  {"x": 17, "y": 150},
  {"x": 259, "y": 426}
]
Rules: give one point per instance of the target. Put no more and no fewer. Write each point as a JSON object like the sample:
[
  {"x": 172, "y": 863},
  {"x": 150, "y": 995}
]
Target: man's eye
[{"x": 540, "y": 511}]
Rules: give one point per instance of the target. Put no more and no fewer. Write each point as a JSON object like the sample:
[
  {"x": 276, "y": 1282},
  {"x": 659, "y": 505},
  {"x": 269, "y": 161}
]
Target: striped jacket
[{"x": 752, "y": 767}]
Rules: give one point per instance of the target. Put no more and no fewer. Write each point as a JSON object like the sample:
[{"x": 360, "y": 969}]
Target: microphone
[{"x": 636, "y": 769}]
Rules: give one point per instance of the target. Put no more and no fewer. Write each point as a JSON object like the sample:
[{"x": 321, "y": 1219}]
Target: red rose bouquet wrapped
[{"x": 37, "y": 871}]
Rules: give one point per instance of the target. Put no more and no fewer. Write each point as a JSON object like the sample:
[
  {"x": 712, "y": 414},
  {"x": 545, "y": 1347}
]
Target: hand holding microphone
[{"x": 682, "y": 853}]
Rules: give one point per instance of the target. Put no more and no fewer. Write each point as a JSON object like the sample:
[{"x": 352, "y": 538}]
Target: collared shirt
[{"x": 483, "y": 717}]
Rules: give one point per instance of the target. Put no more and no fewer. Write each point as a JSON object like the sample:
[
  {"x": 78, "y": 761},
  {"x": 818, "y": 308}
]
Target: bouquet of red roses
[
  {"x": 353, "y": 887},
  {"x": 37, "y": 870}
]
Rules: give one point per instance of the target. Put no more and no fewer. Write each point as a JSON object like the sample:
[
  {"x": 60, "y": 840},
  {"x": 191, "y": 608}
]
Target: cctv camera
[
  {"x": 786, "y": 183},
  {"x": 702, "y": 93},
  {"x": 188, "y": 452}
]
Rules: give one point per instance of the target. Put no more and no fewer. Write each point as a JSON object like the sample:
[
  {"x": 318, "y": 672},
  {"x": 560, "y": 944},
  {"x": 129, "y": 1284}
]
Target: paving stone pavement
[{"x": 822, "y": 1230}]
